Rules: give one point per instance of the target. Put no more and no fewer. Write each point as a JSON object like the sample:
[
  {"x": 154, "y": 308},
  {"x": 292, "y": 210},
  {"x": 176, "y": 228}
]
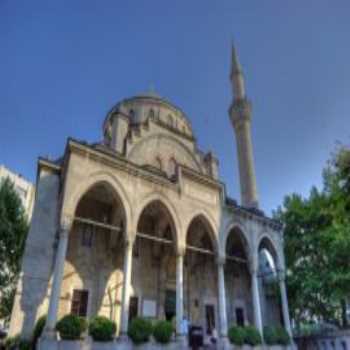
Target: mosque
[{"x": 139, "y": 224}]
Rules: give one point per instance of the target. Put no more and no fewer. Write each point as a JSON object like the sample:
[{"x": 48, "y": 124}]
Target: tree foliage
[
  {"x": 317, "y": 245},
  {"x": 13, "y": 232}
]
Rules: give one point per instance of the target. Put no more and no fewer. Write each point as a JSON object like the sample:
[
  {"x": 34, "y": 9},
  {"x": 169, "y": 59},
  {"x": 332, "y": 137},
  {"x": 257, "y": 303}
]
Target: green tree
[
  {"x": 317, "y": 245},
  {"x": 13, "y": 232}
]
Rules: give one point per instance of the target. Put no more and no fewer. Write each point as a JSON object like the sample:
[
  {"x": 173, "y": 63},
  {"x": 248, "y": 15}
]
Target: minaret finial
[
  {"x": 236, "y": 76},
  {"x": 235, "y": 64}
]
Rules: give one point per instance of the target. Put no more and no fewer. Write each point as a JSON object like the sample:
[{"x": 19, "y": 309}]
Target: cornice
[
  {"x": 120, "y": 163},
  {"x": 49, "y": 165},
  {"x": 261, "y": 219},
  {"x": 200, "y": 178}
]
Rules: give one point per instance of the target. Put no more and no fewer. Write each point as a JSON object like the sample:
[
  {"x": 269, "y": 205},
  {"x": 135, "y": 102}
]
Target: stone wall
[{"x": 337, "y": 340}]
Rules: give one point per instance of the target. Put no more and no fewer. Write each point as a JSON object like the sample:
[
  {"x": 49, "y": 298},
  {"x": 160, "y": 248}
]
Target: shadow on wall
[{"x": 32, "y": 292}]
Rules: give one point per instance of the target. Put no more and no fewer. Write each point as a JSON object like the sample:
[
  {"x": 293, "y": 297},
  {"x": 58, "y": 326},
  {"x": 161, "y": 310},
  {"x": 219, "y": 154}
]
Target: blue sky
[{"x": 63, "y": 64}]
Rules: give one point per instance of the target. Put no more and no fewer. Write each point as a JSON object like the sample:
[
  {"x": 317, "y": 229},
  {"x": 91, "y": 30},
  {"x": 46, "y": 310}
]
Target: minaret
[{"x": 240, "y": 115}]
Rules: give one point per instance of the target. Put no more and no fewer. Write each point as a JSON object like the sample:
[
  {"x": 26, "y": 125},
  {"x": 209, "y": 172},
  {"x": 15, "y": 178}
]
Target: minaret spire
[
  {"x": 237, "y": 78},
  {"x": 240, "y": 115}
]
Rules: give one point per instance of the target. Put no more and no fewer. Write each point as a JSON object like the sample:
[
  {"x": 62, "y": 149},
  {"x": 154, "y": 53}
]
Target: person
[
  {"x": 184, "y": 326},
  {"x": 214, "y": 337}
]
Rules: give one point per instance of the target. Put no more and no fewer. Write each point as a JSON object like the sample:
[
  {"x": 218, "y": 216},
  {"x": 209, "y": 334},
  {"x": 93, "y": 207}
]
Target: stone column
[
  {"x": 256, "y": 299},
  {"x": 126, "y": 287},
  {"x": 285, "y": 309},
  {"x": 179, "y": 294},
  {"x": 57, "y": 278},
  {"x": 222, "y": 297}
]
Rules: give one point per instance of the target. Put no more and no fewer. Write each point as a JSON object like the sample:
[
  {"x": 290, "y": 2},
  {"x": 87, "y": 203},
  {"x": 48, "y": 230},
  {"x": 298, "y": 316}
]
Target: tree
[
  {"x": 13, "y": 232},
  {"x": 317, "y": 245}
]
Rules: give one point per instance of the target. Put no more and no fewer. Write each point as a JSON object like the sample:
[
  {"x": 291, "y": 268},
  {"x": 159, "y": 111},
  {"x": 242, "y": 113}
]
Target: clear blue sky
[{"x": 63, "y": 64}]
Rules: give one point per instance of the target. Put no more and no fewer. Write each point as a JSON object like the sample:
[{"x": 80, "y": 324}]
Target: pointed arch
[
  {"x": 72, "y": 196},
  {"x": 237, "y": 227},
  {"x": 268, "y": 243},
  {"x": 156, "y": 197},
  {"x": 210, "y": 227}
]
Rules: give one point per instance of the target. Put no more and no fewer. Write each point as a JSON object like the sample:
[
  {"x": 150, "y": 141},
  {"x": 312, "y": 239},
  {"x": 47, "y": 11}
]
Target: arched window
[
  {"x": 132, "y": 115},
  {"x": 170, "y": 120},
  {"x": 172, "y": 167},
  {"x": 151, "y": 114}
]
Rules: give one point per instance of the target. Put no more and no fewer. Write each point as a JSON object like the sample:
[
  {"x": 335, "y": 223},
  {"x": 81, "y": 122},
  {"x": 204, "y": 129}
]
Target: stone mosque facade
[{"x": 140, "y": 225}]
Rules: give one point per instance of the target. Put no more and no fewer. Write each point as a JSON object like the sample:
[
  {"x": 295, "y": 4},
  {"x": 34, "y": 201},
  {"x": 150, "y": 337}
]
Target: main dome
[{"x": 150, "y": 105}]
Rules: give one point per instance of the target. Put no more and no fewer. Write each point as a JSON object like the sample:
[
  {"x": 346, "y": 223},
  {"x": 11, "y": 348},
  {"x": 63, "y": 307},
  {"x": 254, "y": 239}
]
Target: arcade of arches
[{"x": 100, "y": 270}]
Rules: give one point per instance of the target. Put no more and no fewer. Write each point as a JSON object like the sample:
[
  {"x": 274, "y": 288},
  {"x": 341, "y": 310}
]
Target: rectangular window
[
  {"x": 133, "y": 307},
  {"x": 80, "y": 302},
  {"x": 87, "y": 233},
  {"x": 210, "y": 318},
  {"x": 240, "y": 317}
]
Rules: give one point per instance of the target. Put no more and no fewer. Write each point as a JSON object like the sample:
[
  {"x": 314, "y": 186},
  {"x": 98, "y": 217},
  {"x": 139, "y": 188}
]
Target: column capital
[
  {"x": 129, "y": 241},
  {"x": 253, "y": 266},
  {"x": 181, "y": 251},
  {"x": 220, "y": 261},
  {"x": 65, "y": 226},
  {"x": 281, "y": 275}
]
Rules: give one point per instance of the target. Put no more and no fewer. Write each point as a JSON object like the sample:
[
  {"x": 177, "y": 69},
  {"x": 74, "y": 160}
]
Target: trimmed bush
[
  {"x": 236, "y": 335},
  {"x": 102, "y": 329},
  {"x": 38, "y": 329},
  {"x": 252, "y": 336},
  {"x": 163, "y": 331},
  {"x": 70, "y": 327},
  {"x": 270, "y": 336},
  {"x": 276, "y": 335},
  {"x": 16, "y": 343},
  {"x": 283, "y": 337},
  {"x": 140, "y": 330}
]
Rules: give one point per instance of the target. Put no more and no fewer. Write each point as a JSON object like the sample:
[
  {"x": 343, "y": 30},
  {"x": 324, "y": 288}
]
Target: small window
[
  {"x": 151, "y": 114},
  {"x": 172, "y": 167},
  {"x": 170, "y": 120},
  {"x": 159, "y": 163},
  {"x": 80, "y": 302},
  {"x": 87, "y": 233},
  {"x": 240, "y": 317},
  {"x": 133, "y": 308}
]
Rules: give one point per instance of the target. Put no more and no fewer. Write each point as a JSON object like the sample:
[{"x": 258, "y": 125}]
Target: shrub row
[
  {"x": 71, "y": 327},
  {"x": 251, "y": 336},
  {"x": 141, "y": 329},
  {"x": 276, "y": 335},
  {"x": 244, "y": 335}
]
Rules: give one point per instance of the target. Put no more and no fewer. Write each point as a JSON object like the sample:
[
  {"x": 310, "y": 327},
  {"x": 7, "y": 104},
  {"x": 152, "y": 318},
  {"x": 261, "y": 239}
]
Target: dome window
[
  {"x": 132, "y": 115},
  {"x": 170, "y": 120},
  {"x": 151, "y": 114},
  {"x": 172, "y": 167},
  {"x": 159, "y": 163}
]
